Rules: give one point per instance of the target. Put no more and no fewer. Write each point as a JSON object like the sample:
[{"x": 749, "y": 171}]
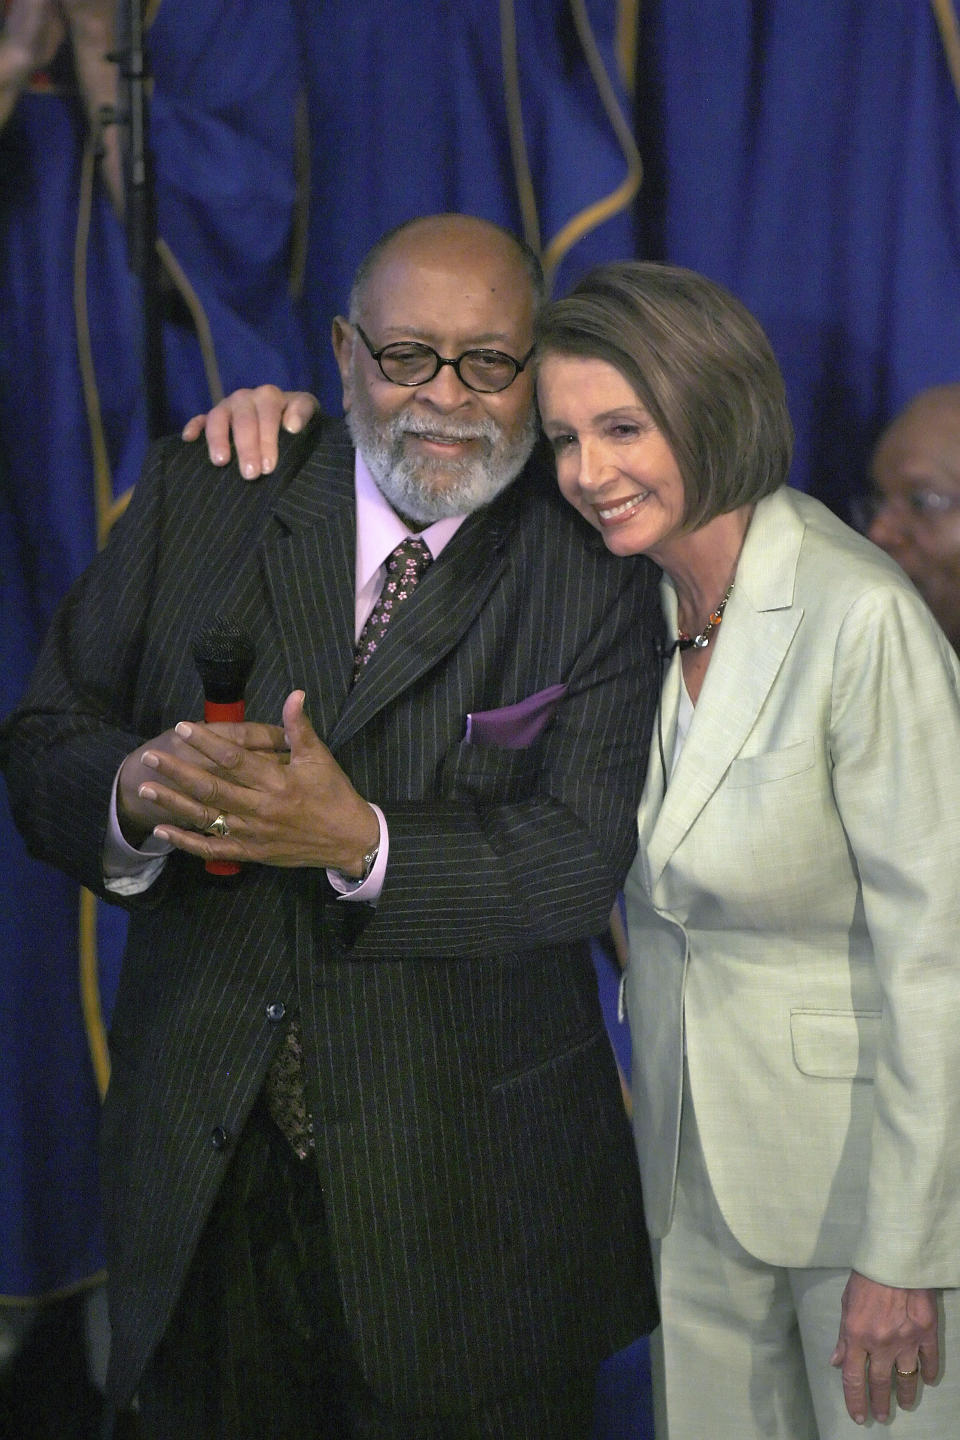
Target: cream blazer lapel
[
  {"x": 759, "y": 624},
  {"x": 662, "y": 742}
]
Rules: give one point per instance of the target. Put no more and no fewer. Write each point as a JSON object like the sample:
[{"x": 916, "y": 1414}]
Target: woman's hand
[
  {"x": 252, "y": 419},
  {"x": 888, "y": 1338}
]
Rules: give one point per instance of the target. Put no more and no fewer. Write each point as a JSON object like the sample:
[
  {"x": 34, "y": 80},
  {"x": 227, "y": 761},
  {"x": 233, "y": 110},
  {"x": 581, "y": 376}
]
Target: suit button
[
  {"x": 219, "y": 1137},
  {"x": 276, "y": 1010}
]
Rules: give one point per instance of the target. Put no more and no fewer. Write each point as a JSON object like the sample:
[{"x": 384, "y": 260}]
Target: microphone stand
[{"x": 141, "y": 215}]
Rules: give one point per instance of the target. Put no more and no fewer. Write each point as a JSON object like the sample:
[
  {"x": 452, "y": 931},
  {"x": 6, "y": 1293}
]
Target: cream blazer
[{"x": 794, "y": 914}]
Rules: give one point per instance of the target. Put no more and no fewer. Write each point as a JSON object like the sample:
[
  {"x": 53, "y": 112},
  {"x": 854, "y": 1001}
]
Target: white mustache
[{"x": 448, "y": 430}]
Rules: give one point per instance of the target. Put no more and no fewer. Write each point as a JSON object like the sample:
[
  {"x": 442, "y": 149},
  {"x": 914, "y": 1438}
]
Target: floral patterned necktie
[{"x": 405, "y": 566}]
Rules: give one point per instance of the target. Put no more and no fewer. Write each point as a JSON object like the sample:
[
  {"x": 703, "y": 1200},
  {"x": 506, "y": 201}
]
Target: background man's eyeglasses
[
  {"x": 921, "y": 505},
  {"x": 408, "y": 362}
]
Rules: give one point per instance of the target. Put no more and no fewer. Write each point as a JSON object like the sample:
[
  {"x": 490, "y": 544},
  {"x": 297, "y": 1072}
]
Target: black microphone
[{"x": 223, "y": 654}]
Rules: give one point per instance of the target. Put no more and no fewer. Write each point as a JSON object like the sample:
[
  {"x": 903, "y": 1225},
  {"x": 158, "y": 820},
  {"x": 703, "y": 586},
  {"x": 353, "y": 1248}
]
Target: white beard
[{"x": 428, "y": 488}]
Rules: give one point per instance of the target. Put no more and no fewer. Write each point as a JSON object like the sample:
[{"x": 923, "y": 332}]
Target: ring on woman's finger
[
  {"x": 218, "y": 827},
  {"x": 907, "y": 1374}
]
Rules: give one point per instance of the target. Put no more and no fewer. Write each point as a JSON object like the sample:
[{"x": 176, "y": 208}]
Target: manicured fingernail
[
  {"x": 294, "y": 425},
  {"x": 249, "y": 470},
  {"x": 219, "y": 457},
  {"x": 147, "y": 792},
  {"x": 184, "y": 730},
  {"x": 266, "y": 465},
  {"x": 149, "y": 758}
]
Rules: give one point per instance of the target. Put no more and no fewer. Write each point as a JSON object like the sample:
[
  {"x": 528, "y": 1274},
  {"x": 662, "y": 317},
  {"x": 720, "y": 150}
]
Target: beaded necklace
[{"x": 701, "y": 641}]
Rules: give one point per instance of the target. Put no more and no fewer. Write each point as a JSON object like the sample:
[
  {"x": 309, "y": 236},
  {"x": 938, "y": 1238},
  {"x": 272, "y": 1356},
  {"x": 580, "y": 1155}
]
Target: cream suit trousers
[{"x": 744, "y": 1347}]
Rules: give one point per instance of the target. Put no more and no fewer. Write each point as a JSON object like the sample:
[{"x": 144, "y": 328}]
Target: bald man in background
[{"x": 916, "y": 501}]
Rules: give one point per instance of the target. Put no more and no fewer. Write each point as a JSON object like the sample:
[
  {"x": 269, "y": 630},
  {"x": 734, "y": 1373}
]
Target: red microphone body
[
  {"x": 230, "y": 710},
  {"x": 223, "y": 654}
]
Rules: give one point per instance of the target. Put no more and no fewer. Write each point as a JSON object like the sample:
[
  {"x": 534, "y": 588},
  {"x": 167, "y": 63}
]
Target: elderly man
[
  {"x": 366, "y": 1165},
  {"x": 916, "y": 519}
]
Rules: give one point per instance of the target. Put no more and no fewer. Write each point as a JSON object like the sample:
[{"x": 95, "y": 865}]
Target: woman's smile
[{"x": 613, "y": 464}]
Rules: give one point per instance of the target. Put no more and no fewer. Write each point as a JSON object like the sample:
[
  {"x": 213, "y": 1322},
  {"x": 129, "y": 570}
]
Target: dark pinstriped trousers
[{"x": 257, "y": 1348}]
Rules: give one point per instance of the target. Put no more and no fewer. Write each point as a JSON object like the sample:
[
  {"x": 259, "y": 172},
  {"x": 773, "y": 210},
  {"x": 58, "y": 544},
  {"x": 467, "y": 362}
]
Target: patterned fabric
[
  {"x": 405, "y": 566},
  {"x": 286, "y": 1093},
  {"x": 285, "y": 1090}
]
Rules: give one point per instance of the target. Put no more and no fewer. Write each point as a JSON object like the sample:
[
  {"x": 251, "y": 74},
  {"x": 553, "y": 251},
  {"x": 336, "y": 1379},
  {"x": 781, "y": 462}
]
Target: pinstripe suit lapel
[
  {"x": 309, "y": 561},
  {"x": 309, "y": 566},
  {"x": 433, "y": 619}
]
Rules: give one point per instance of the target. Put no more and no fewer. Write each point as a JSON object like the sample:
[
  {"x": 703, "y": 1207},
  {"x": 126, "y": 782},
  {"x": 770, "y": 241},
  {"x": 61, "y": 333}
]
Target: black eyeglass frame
[{"x": 442, "y": 360}]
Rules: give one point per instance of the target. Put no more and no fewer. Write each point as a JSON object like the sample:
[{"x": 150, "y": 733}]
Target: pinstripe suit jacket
[{"x": 483, "y": 1204}]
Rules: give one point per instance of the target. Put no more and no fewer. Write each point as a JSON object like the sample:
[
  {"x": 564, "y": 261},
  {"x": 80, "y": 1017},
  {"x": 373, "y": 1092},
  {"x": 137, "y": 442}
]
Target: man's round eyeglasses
[{"x": 408, "y": 362}]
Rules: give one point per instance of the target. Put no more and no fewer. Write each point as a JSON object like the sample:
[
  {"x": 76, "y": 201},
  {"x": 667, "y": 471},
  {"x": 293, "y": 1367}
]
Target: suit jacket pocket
[
  {"x": 771, "y": 764},
  {"x": 515, "y": 727},
  {"x": 489, "y": 773},
  {"x": 835, "y": 1044},
  {"x": 566, "y": 1171}
]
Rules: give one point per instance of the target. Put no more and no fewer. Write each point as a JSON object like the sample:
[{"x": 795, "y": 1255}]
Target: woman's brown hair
[{"x": 701, "y": 366}]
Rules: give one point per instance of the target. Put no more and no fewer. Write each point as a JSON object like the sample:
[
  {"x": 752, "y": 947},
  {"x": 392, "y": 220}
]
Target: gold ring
[
  {"x": 218, "y": 827},
  {"x": 907, "y": 1374}
]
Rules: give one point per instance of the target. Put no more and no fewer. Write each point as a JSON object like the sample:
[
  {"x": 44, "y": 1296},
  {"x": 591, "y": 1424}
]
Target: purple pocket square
[{"x": 514, "y": 727}]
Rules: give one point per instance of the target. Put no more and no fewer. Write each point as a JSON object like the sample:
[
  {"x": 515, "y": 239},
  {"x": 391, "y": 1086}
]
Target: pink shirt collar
[
  {"x": 379, "y": 532},
  {"x": 380, "y": 529}
]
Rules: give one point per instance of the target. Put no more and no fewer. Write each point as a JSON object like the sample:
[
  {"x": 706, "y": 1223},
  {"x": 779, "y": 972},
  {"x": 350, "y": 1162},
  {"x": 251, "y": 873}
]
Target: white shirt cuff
[
  {"x": 369, "y": 889},
  {"x": 128, "y": 871}
]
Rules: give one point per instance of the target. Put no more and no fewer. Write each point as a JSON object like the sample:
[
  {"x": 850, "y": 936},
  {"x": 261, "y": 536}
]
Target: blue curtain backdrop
[
  {"x": 515, "y": 110},
  {"x": 49, "y": 1220},
  {"x": 806, "y": 155}
]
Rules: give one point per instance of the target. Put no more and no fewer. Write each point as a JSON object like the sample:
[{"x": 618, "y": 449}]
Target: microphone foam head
[{"x": 223, "y": 654}]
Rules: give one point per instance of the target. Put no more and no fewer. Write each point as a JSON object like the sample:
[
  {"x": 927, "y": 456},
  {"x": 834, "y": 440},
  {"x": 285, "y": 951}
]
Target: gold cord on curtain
[
  {"x": 945, "y": 12},
  {"x": 553, "y": 252}
]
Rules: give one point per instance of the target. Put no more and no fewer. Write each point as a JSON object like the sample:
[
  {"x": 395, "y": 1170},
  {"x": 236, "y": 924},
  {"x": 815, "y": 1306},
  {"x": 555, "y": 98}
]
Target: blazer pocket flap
[
  {"x": 835, "y": 1044},
  {"x": 489, "y": 773},
  {"x": 771, "y": 765},
  {"x": 514, "y": 727}
]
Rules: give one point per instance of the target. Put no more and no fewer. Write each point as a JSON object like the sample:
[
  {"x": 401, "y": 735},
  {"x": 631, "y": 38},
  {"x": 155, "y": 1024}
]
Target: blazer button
[
  {"x": 276, "y": 1010},
  {"x": 219, "y": 1137}
]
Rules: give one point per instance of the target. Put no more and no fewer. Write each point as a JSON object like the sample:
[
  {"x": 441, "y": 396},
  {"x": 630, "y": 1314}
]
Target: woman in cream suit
[{"x": 794, "y": 979}]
